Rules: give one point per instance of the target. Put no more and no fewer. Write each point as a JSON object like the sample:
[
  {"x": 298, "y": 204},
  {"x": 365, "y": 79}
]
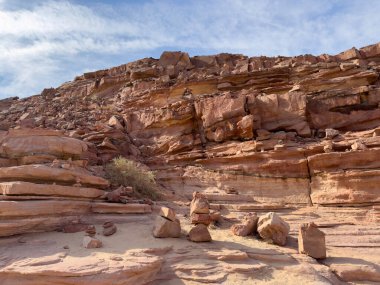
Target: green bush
[{"x": 122, "y": 171}]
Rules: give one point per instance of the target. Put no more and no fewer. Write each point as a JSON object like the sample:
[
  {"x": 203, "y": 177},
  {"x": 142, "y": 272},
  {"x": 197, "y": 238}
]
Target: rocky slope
[
  {"x": 46, "y": 184},
  {"x": 295, "y": 135},
  {"x": 244, "y": 130}
]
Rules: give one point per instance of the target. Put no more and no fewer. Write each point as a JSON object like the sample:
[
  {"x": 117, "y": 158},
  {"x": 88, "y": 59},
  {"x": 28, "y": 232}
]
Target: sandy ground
[{"x": 227, "y": 260}]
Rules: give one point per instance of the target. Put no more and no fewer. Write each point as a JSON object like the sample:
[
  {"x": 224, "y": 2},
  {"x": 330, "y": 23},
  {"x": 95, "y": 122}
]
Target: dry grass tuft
[{"x": 122, "y": 171}]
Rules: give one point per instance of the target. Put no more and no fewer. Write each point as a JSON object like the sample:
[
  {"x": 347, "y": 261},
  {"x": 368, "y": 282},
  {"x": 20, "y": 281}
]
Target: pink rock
[
  {"x": 247, "y": 227},
  {"x": 90, "y": 242},
  {"x": 199, "y": 204},
  {"x": 200, "y": 219},
  {"x": 200, "y": 233},
  {"x": 311, "y": 241},
  {"x": 165, "y": 228},
  {"x": 167, "y": 213},
  {"x": 271, "y": 227}
]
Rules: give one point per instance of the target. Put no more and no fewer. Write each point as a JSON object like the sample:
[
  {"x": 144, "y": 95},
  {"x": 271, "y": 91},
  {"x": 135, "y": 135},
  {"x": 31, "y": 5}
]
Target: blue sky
[{"x": 45, "y": 43}]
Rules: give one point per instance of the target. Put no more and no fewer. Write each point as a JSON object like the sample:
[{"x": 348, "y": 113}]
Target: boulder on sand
[
  {"x": 311, "y": 241},
  {"x": 167, "y": 225},
  {"x": 247, "y": 227},
  {"x": 271, "y": 227},
  {"x": 199, "y": 233},
  {"x": 199, "y": 204},
  {"x": 109, "y": 228},
  {"x": 167, "y": 213},
  {"x": 90, "y": 242}
]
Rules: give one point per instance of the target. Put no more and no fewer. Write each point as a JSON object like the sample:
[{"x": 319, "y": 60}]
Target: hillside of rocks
[
  {"x": 287, "y": 130},
  {"x": 299, "y": 136}
]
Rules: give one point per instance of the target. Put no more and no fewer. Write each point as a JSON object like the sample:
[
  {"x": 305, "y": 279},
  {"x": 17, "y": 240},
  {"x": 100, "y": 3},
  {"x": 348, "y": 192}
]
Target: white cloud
[{"x": 48, "y": 42}]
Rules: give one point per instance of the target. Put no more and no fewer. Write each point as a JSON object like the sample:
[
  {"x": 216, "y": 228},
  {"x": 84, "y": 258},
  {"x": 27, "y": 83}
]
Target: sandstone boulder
[
  {"x": 331, "y": 133},
  {"x": 17, "y": 144},
  {"x": 168, "y": 213},
  {"x": 165, "y": 228},
  {"x": 91, "y": 231},
  {"x": 271, "y": 227},
  {"x": 114, "y": 122},
  {"x": 311, "y": 241},
  {"x": 200, "y": 233},
  {"x": 358, "y": 145},
  {"x": 201, "y": 219},
  {"x": 90, "y": 242},
  {"x": 247, "y": 227},
  {"x": 174, "y": 58},
  {"x": 109, "y": 228},
  {"x": 199, "y": 204}
]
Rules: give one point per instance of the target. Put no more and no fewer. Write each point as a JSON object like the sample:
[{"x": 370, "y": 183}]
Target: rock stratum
[
  {"x": 296, "y": 135},
  {"x": 241, "y": 129}
]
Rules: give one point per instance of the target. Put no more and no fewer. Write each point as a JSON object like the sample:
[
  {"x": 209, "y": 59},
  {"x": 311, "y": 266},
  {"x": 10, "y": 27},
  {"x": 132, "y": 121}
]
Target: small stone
[
  {"x": 66, "y": 247},
  {"x": 200, "y": 233},
  {"x": 90, "y": 242},
  {"x": 199, "y": 204},
  {"x": 331, "y": 133},
  {"x": 91, "y": 231},
  {"x": 200, "y": 219},
  {"x": 167, "y": 213},
  {"x": 247, "y": 227},
  {"x": 311, "y": 241},
  {"x": 358, "y": 146},
  {"x": 109, "y": 230},
  {"x": 165, "y": 228},
  {"x": 271, "y": 227},
  {"x": 114, "y": 122}
]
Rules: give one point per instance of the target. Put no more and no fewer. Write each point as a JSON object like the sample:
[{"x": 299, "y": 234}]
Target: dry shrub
[{"x": 122, "y": 171}]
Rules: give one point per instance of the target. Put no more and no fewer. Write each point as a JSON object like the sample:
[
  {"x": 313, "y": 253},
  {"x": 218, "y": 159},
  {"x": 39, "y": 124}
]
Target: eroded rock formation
[
  {"x": 225, "y": 124},
  {"x": 296, "y": 135},
  {"x": 47, "y": 184}
]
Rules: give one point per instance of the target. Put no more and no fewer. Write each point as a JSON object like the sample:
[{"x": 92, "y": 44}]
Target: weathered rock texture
[
  {"x": 47, "y": 183},
  {"x": 249, "y": 133},
  {"x": 311, "y": 241},
  {"x": 222, "y": 125},
  {"x": 247, "y": 226},
  {"x": 199, "y": 233},
  {"x": 272, "y": 228},
  {"x": 167, "y": 225}
]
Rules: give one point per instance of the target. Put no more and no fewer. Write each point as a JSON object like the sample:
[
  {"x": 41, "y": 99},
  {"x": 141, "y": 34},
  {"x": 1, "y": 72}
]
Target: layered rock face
[
  {"x": 246, "y": 131},
  {"x": 47, "y": 184}
]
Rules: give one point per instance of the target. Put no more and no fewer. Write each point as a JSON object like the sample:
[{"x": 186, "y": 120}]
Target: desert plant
[{"x": 122, "y": 171}]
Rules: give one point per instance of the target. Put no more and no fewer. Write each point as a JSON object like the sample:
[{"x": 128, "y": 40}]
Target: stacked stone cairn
[{"x": 200, "y": 217}]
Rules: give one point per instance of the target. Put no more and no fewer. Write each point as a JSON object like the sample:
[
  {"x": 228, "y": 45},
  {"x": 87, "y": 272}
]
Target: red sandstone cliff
[{"x": 243, "y": 130}]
